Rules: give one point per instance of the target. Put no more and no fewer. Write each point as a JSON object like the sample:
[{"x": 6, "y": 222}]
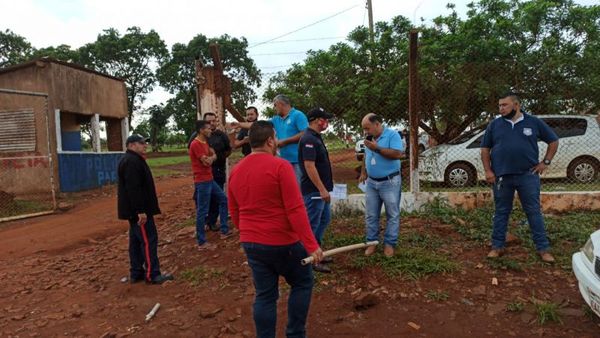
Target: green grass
[
  {"x": 164, "y": 161},
  {"x": 190, "y": 222},
  {"x": 412, "y": 263},
  {"x": 547, "y": 312},
  {"x": 437, "y": 295},
  {"x": 504, "y": 263},
  {"x": 515, "y": 306},
  {"x": 23, "y": 207},
  {"x": 200, "y": 275}
]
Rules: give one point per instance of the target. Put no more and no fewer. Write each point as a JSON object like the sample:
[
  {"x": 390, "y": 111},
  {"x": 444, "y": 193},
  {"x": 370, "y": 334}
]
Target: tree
[
  {"x": 61, "y": 52},
  {"x": 14, "y": 48},
  {"x": 133, "y": 57},
  {"x": 178, "y": 74},
  {"x": 158, "y": 118},
  {"x": 543, "y": 49}
]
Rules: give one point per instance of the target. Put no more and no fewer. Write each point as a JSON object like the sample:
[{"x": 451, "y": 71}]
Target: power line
[
  {"x": 282, "y": 53},
  {"x": 301, "y": 40},
  {"x": 303, "y": 27}
]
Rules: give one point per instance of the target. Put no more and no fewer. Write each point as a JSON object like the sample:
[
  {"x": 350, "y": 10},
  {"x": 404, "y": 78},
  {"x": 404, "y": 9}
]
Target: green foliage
[
  {"x": 14, "y": 48},
  {"x": 515, "y": 306},
  {"x": 547, "y": 312},
  {"x": 413, "y": 263},
  {"x": 178, "y": 75},
  {"x": 130, "y": 56},
  {"x": 540, "y": 48},
  {"x": 200, "y": 275},
  {"x": 437, "y": 295}
]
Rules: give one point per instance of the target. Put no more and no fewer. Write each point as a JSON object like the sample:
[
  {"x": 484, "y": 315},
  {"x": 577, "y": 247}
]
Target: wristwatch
[
  {"x": 547, "y": 161},
  {"x": 377, "y": 150}
]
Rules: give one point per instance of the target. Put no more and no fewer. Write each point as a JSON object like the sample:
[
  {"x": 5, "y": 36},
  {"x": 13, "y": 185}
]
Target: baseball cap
[
  {"x": 318, "y": 113},
  {"x": 136, "y": 138}
]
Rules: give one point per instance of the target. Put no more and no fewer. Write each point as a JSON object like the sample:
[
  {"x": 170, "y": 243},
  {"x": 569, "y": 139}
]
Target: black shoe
[
  {"x": 321, "y": 268},
  {"x": 327, "y": 260},
  {"x": 161, "y": 279},
  {"x": 136, "y": 280},
  {"x": 214, "y": 227}
]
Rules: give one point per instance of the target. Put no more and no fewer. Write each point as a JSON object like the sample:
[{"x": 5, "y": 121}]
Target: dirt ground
[{"x": 62, "y": 274}]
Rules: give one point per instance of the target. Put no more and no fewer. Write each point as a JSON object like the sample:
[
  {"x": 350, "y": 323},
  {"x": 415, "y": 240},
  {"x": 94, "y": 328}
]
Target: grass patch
[
  {"x": 437, "y": 295},
  {"x": 420, "y": 240},
  {"x": 190, "y": 222},
  {"x": 164, "y": 161},
  {"x": 504, "y": 263},
  {"x": 413, "y": 263},
  {"x": 23, "y": 207},
  {"x": 200, "y": 275},
  {"x": 547, "y": 312},
  {"x": 515, "y": 306},
  {"x": 336, "y": 241}
]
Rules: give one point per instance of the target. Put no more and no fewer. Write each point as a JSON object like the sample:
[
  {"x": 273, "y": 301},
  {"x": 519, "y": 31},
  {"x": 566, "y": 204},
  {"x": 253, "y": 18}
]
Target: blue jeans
[
  {"x": 319, "y": 214},
  {"x": 268, "y": 262},
  {"x": 298, "y": 173},
  {"x": 383, "y": 193},
  {"x": 204, "y": 192},
  {"x": 213, "y": 209},
  {"x": 528, "y": 188}
]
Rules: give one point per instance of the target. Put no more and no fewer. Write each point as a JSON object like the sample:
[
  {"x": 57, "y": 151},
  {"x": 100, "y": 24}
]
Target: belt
[{"x": 385, "y": 178}]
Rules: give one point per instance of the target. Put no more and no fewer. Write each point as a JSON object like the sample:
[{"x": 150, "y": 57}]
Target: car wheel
[
  {"x": 459, "y": 175},
  {"x": 583, "y": 170}
]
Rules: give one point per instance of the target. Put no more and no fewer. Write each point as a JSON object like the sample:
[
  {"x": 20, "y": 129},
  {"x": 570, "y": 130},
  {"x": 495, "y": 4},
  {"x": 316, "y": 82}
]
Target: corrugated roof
[{"x": 51, "y": 60}]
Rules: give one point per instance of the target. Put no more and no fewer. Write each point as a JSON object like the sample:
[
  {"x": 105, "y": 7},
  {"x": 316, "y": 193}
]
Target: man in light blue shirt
[
  {"x": 289, "y": 124},
  {"x": 381, "y": 171}
]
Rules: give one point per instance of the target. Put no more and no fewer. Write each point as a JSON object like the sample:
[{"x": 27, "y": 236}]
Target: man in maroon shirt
[
  {"x": 266, "y": 205},
  {"x": 205, "y": 188}
]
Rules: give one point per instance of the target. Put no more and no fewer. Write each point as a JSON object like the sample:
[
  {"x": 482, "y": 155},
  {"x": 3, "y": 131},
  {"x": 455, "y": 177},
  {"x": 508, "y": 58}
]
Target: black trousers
[
  {"x": 143, "y": 247},
  {"x": 213, "y": 210}
]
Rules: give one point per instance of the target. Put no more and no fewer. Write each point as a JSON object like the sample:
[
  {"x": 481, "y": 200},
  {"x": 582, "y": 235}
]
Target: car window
[
  {"x": 464, "y": 137},
  {"x": 476, "y": 143},
  {"x": 567, "y": 127}
]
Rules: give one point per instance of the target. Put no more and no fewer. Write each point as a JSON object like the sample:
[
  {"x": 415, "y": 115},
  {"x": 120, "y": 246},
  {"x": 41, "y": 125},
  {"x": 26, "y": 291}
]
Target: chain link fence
[
  {"x": 26, "y": 167},
  {"x": 456, "y": 101}
]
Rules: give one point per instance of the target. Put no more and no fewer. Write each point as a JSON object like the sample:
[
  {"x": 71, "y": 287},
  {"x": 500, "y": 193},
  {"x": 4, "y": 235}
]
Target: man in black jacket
[{"x": 138, "y": 203}]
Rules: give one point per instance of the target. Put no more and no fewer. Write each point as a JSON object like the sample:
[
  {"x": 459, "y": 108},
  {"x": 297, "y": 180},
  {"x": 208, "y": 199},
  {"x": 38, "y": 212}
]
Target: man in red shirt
[
  {"x": 266, "y": 205},
  {"x": 205, "y": 188}
]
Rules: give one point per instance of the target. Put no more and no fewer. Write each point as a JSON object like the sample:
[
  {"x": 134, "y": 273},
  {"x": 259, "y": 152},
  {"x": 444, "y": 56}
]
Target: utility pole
[{"x": 371, "y": 31}]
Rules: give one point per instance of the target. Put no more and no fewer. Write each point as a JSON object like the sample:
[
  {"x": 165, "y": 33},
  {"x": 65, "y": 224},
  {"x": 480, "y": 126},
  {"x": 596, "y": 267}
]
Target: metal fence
[
  {"x": 26, "y": 166},
  {"x": 453, "y": 104}
]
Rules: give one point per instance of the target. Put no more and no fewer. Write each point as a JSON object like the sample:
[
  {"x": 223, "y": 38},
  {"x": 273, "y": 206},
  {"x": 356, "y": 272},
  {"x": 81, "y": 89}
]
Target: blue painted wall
[
  {"x": 83, "y": 171},
  {"x": 71, "y": 140}
]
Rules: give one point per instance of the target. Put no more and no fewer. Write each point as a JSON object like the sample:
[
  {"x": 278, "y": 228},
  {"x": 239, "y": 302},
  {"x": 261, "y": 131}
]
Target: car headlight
[{"x": 588, "y": 250}]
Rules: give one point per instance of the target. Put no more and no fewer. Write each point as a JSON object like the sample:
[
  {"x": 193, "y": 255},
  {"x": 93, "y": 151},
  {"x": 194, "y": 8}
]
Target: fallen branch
[
  {"x": 309, "y": 260},
  {"x": 152, "y": 312}
]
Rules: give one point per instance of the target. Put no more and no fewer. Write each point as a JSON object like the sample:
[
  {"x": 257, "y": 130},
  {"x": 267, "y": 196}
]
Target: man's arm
[
  {"x": 486, "y": 160},
  {"x": 238, "y": 142},
  {"x": 245, "y": 125},
  {"x": 363, "y": 169},
  {"x": 550, "y": 152},
  {"x": 313, "y": 174},
  {"x": 392, "y": 154},
  {"x": 290, "y": 140}
]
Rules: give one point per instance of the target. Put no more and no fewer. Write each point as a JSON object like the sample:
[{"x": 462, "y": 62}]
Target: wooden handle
[{"x": 310, "y": 259}]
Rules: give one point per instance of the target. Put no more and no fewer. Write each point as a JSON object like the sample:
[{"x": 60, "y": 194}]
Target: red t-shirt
[
  {"x": 265, "y": 203},
  {"x": 202, "y": 173}
]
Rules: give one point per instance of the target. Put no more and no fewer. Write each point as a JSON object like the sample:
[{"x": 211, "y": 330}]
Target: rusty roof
[{"x": 51, "y": 60}]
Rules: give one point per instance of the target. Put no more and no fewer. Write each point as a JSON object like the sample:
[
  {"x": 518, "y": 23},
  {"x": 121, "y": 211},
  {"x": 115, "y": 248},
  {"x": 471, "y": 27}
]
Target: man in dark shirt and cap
[
  {"x": 317, "y": 178},
  {"x": 242, "y": 139},
  {"x": 138, "y": 203}
]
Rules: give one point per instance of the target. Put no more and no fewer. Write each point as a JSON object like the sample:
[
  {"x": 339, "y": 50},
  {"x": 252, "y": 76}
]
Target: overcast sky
[{"x": 76, "y": 22}]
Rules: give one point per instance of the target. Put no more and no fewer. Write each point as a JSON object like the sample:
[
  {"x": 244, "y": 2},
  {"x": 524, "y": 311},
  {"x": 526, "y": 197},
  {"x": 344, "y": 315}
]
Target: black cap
[
  {"x": 318, "y": 113},
  {"x": 136, "y": 138}
]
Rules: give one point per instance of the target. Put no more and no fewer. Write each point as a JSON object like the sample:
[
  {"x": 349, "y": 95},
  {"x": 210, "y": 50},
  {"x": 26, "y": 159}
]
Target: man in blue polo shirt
[
  {"x": 317, "y": 179},
  {"x": 289, "y": 124},
  {"x": 510, "y": 156},
  {"x": 381, "y": 171}
]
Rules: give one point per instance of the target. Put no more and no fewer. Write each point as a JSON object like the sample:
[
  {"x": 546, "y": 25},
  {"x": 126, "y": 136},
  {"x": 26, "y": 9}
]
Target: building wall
[{"x": 24, "y": 173}]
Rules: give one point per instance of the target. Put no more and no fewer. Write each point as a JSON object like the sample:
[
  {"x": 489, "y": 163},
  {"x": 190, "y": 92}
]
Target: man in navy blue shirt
[
  {"x": 316, "y": 178},
  {"x": 510, "y": 156}
]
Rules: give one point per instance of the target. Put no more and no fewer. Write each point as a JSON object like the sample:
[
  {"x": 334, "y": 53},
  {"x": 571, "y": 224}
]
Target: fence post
[{"x": 413, "y": 110}]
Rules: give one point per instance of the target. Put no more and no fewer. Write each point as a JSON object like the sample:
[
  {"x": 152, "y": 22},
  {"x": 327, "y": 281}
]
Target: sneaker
[
  {"x": 161, "y": 279},
  {"x": 370, "y": 250},
  {"x": 327, "y": 260},
  {"x": 136, "y": 280},
  {"x": 206, "y": 246},
  {"x": 388, "y": 251},
  {"x": 495, "y": 253},
  {"x": 546, "y": 257},
  {"x": 227, "y": 235},
  {"x": 321, "y": 268}
]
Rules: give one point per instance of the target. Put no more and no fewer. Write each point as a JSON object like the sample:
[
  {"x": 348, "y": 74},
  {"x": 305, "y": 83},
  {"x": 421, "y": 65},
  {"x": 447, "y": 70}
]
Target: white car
[
  {"x": 586, "y": 266},
  {"x": 458, "y": 162}
]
